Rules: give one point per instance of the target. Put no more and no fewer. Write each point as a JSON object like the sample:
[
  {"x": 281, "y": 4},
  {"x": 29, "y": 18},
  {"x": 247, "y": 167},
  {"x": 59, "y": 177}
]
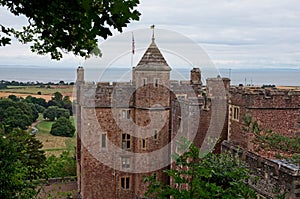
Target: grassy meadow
[
  {"x": 53, "y": 145},
  {"x": 46, "y": 93}
]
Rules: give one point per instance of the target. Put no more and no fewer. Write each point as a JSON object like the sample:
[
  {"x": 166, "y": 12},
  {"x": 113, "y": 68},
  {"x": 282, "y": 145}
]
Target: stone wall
[
  {"x": 273, "y": 109},
  {"x": 275, "y": 177},
  {"x": 59, "y": 188}
]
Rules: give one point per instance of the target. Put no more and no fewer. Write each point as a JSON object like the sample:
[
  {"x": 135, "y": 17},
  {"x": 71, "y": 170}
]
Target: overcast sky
[{"x": 234, "y": 33}]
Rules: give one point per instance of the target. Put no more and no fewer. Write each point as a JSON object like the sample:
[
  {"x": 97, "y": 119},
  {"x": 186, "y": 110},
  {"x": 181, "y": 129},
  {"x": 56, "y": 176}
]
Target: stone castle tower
[
  {"x": 118, "y": 121},
  {"x": 124, "y": 129}
]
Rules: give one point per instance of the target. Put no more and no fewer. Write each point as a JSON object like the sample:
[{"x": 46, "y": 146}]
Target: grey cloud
[{"x": 232, "y": 32}]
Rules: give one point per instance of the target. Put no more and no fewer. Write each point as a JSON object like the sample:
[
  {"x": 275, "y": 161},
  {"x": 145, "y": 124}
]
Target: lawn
[{"x": 53, "y": 144}]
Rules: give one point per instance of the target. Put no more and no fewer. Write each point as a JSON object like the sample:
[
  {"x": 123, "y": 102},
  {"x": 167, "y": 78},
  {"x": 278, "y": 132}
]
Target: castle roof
[{"x": 153, "y": 60}]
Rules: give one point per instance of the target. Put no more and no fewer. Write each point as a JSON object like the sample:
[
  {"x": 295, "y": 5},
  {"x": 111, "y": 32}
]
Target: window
[
  {"x": 144, "y": 81},
  {"x": 155, "y": 176},
  {"x": 155, "y": 135},
  {"x": 125, "y": 161},
  {"x": 103, "y": 141},
  {"x": 235, "y": 113},
  {"x": 143, "y": 144},
  {"x": 156, "y": 82},
  {"x": 125, "y": 183},
  {"x": 126, "y": 114},
  {"x": 125, "y": 141},
  {"x": 179, "y": 125}
]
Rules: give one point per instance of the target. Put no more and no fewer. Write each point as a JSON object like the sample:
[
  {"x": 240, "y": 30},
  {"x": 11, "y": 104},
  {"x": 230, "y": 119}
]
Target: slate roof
[{"x": 153, "y": 60}]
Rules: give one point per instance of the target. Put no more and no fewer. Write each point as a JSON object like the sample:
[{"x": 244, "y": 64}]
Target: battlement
[
  {"x": 274, "y": 175},
  {"x": 265, "y": 98},
  {"x": 268, "y": 91}
]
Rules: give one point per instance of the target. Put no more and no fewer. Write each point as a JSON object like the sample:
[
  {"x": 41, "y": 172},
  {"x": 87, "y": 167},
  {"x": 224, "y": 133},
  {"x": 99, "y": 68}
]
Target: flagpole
[
  {"x": 131, "y": 60},
  {"x": 132, "y": 50}
]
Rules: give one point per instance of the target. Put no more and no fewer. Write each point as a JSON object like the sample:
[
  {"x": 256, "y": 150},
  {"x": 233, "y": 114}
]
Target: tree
[
  {"x": 61, "y": 112},
  {"x": 63, "y": 127},
  {"x": 39, "y": 108},
  {"x": 50, "y": 113},
  {"x": 57, "y": 96},
  {"x": 67, "y": 104},
  {"x": 13, "y": 98},
  {"x": 54, "y": 112},
  {"x": 40, "y": 101},
  {"x": 34, "y": 111},
  {"x": 62, "y": 166},
  {"x": 22, "y": 165},
  {"x": 210, "y": 176},
  {"x": 16, "y": 114},
  {"x": 69, "y": 26},
  {"x": 56, "y": 100}
]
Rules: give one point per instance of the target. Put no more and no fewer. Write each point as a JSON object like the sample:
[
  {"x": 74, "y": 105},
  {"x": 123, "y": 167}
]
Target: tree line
[
  {"x": 17, "y": 112},
  {"x": 4, "y": 83}
]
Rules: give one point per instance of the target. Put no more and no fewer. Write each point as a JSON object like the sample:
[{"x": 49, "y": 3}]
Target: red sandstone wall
[
  {"x": 273, "y": 110},
  {"x": 98, "y": 179}
]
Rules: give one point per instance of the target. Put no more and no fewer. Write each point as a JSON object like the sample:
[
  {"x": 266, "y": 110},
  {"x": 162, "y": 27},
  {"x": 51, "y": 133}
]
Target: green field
[
  {"x": 36, "y": 89},
  {"x": 53, "y": 145}
]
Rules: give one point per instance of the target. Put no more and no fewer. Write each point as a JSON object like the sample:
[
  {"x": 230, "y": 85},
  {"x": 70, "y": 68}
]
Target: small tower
[{"x": 152, "y": 77}]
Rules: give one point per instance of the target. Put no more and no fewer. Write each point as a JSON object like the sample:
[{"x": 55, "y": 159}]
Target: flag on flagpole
[{"x": 133, "y": 47}]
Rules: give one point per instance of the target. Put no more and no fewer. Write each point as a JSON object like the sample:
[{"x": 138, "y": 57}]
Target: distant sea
[{"x": 255, "y": 76}]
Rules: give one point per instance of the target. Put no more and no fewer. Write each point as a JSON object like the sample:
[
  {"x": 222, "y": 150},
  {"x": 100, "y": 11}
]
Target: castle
[{"x": 127, "y": 130}]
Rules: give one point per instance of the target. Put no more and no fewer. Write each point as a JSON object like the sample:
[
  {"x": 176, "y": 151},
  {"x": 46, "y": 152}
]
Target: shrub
[{"x": 63, "y": 127}]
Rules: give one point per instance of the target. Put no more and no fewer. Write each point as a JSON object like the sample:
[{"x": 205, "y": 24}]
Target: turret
[{"x": 152, "y": 77}]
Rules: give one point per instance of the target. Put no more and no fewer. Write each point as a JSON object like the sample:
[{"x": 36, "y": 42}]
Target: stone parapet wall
[
  {"x": 259, "y": 98},
  {"x": 275, "y": 177},
  {"x": 59, "y": 188}
]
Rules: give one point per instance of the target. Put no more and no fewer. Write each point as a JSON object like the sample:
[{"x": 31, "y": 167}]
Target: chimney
[
  {"x": 80, "y": 74},
  {"x": 196, "y": 76}
]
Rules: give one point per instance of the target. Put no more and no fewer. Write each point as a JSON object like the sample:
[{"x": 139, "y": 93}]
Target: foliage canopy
[
  {"x": 211, "y": 176},
  {"x": 22, "y": 165},
  {"x": 16, "y": 114},
  {"x": 63, "y": 127},
  {"x": 70, "y": 26}
]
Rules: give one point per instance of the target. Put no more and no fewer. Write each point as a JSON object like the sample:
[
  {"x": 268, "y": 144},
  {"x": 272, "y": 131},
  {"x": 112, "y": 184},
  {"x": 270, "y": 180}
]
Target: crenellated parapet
[
  {"x": 265, "y": 98},
  {"x": 275, "y": 109},
  {"x": 107, "y": 94}
]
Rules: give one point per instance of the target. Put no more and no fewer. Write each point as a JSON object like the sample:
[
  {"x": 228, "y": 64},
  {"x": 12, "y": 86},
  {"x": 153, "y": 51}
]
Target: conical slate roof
[{"x": 153, "y": 60}]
